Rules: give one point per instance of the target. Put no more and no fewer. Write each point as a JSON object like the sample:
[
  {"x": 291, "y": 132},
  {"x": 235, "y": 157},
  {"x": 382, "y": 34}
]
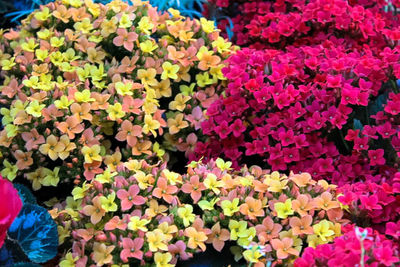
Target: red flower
[
  {"x": 376, "y": 157},
  {"x": 10, "y": 207}
]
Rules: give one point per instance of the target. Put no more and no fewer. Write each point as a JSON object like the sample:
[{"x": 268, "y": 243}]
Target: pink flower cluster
[
  {"x": 357, "y": 247},
  {"x": 325, "y": 103}
]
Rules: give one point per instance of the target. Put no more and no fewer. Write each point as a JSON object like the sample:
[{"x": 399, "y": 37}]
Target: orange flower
[
  {"x": 71, "y": 126},
  {"x": 95, "y": 211},
  {"x": 302, "y": 179},
  {"x": 113, "y": 161},
  {"x": 131, "y": 105},
  {"x": 196, "y": 238},
  {"x": 252, "y": 208},
  {"x": 24, "y": 159},
  {"x": 128, "y": 64},
  {"x": 155, "y": 209},
  {"x": 177, "y": 123},
  {"x": 301, "y": 225},
  {"x": 62, "y": 13},
  {"x": 142, "y": 146},
  {"x": 194, "y": 188},
  {"x": 32, "y": 139},
  {"x": 173, "y": 54},
  {"x": 207, "y": 59},
  {"x": 267, "y": 230},
  {"x": 284, "y": 248},
  {"x": 79, "y": 14},
  {"x": 165, "y": 191},
  {"x": 129, "y": 132},
  {"x": 101, "y": 101},
  {"x": 81, "y": 112},
  {"x": 91, "y": 169},
  {"x": 302, "y": 204},
  {"x": 88, "y": 138},
  {"x": 325, "y": 202},
  {"x": 52, "y": 147},
  {"x": 218, "y": 237}
]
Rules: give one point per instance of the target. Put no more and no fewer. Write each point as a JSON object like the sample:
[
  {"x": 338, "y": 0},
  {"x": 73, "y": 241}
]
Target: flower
[
  {"x": 130, "y": 197},
  {"x": 169, "y": 71},
  {"x": 91, "y": 153},
  {"x": 230, "y": 207},
  {"x": 218, "y": 237},
  {"x": 252, "y": 208},
  {"x": 186, "y": 214},
  {"x": 156, "y": 240},
  {"x": 10, "y": 211},
  {"x": 131, "y": 249},
  {"x": 284, "y": 209},
  {"x": 52, "y": 148},
  {"x": 196, "y": 238},
  {"x": 162, "y": 259},
  {"x": 95, "y": 211},
  {"x": 102, "y": 253},
  {"x": 284, "y": 247},
  {"x": 125, "y": 39}
]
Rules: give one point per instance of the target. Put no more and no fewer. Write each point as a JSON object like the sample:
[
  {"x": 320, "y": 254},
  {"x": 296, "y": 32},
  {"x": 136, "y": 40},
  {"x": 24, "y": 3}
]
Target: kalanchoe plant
[
  {"x": 325, "y": 102},
  {"x": 357, "y": 247},
  {"x": 144, "y": 213},
  {"x": 88, "y": 83}
]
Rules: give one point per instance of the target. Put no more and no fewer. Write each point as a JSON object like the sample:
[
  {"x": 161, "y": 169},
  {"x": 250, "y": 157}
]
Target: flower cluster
[
  {"x": 357, "y": 247},
  {"x": 328, "y": 108},
  {"x": 146, "y": 213},
  {"x": 260, "y": 24},
  {"x": 87, "y": 84},
  {"x": 376, "y": 205}
]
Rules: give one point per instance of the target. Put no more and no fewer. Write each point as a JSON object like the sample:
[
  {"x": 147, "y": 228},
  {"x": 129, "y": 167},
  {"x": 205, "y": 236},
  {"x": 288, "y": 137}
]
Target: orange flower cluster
[
  {"x": 88, "y": 84},
  {"x": 271, "y": 217}
]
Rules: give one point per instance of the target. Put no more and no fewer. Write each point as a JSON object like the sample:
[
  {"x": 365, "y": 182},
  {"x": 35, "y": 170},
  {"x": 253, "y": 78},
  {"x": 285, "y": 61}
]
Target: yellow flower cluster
[{"x": 81, "y": 77}]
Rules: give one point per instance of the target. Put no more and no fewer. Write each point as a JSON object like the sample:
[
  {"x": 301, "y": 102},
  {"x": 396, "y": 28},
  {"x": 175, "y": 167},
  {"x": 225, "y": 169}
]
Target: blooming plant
[
  {"x": 357, "y": 247},
  {"x": 144, "y": 213},
  {"x": 323, "y": 108},
  {"x": 87, "y": 84}
]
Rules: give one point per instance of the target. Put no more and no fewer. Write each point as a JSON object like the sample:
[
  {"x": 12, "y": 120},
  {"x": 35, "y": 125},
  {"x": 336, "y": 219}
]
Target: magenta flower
[
  {"x": 376, "y": 157},
  {"x": 10, "y": 208},
  {"x": 130, "y": 197}
]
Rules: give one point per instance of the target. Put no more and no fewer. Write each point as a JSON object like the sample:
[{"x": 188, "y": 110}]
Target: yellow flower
[
  {"x": 57, "y": 42},
  {"x": 80, "y": 192},
  {"x": 29, "y": 46},
  {"x": 236, "y": 227},
  {"x": 172, "y": 177},
  {"x": 70, "y": 55},
  {"x": 246, "y": 236},
  {"x": 169, "y": 71},
  {"x": 125, "y": 21},
  {"x": 44, "y": 34},
  {"x": 63, "y": 103},
  {"x": 11, "y": 130},
  {"x": 145, "y": 25},
  {"x": 150, "y": 125},
  {"x": 106, "y": 176},
  {"x": 229, "y": 208},
  {"x": 7, "y": 64},
  {"x": 322, "y": 230},
  {"x": 148, "y": 46},
  {"x": 284, "y": 209},
  {"x": 208, "y": 205},
  {"x": 115, "y": 111},
  {"x": 222, "y": 165},
  {"x": 10, "y": 170},
  {"x": 143, "y": 179},
  {"x": 162, "y": 259},
  {"x": 41, "y": 54},
  {"x": 85, "y": 26},
  {"x": 208, "y": 26},
  {"x": 186, "y": 214},
  {"x": 107, "y": 203},
  {"x": 147, "y": 77},
  {"x": 51, "y": 177},
  {"x": 156, "y": 240},
  {"x": 43, "y": 15},
  {"x": 83, "y": 96},
  {"x": 252, "y": 255},
  {"x": 91, "y": 153},
  {"x": 124, "y": 88},
  {"x": 179, "y": 102},
  {"x": 187, "y": 90},
  {"x": 69, "y": 260},
  {"x": 156, "y": 149},
  {"x": 135, "y": 224},
  {"x": 102, "y": 253},
  {"x": 211, "y": 183},
  {"x": 221, "y": 45},
  {"x": 36, "y": 178},
  {"x": 203, "y": 79}
]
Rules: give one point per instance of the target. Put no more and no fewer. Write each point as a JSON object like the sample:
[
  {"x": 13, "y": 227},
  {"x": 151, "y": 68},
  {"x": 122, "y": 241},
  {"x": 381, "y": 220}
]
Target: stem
[
  {"x": 394, "y": 85},
  {"x": 344, "y": 141},
  {"x": 362, "y": 264}
]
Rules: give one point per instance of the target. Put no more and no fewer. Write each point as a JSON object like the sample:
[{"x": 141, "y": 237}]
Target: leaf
[
  {"x": 25, "y": 194},
  {"x": 36, "y": 233},
  {"x": 378, "y": 104},
  {"x": 357, "y": 125}
]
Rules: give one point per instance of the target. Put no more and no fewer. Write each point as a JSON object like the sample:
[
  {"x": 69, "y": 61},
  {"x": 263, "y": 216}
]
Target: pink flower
[
  {"x": 10, "y": 207},
  {"x": 132, "y": 249},
  {"x": 130, "y": 197},
  {"x": 125, "y": 39},
  {"x": 376, "y": 157}
]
